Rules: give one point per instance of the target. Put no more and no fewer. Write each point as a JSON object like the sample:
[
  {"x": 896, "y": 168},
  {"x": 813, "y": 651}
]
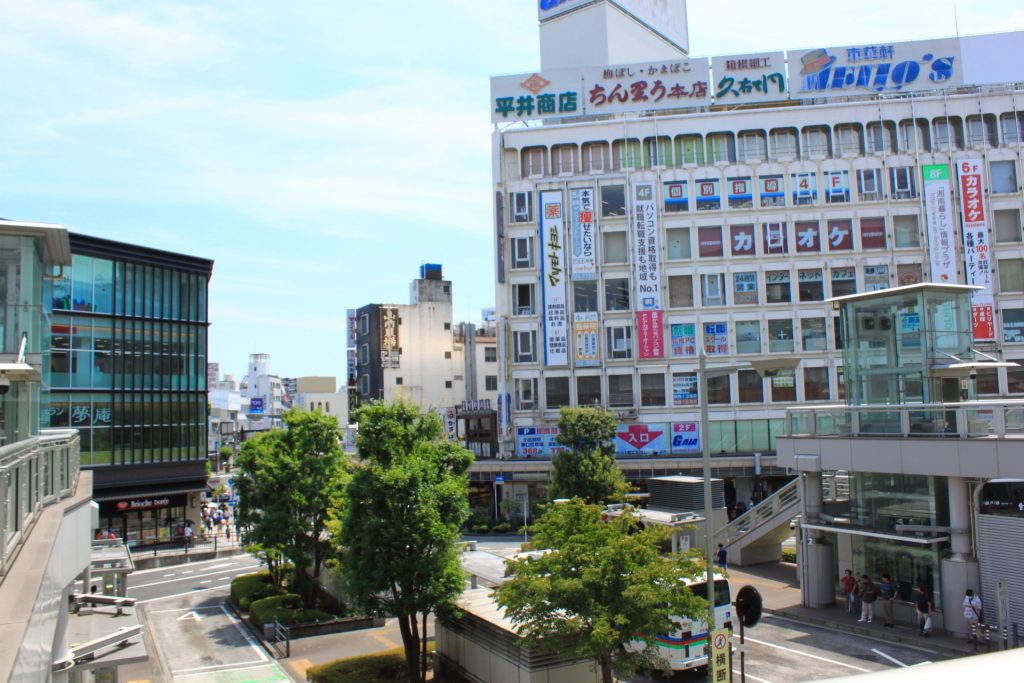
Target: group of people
[
  {"x": 217, "y": 520},
  {"x": 868, "y": 592}
]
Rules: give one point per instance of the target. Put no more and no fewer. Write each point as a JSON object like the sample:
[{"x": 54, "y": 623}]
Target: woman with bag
[{"x": 924, "y": 611}]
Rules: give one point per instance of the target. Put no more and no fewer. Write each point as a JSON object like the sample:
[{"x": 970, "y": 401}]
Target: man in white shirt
[{"x": 972, "y": 614}]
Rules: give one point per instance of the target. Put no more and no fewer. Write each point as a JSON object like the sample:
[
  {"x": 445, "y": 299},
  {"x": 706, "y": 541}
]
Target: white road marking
[
  {"x": 245, "y": 634},
  {"x": 191, "y": 614},
  {"x": 207, "y": 581},
  {"x": 183, "y": 578},
  {"x": 169, "y": 574},
  {"x": 189, "y": 571},
  {"x": 179, "y": 595},
  {"x": 753, "y": 678},
  {"x": 187, "y": 564},
  {"x": 891, "y": 659},
  {"x": 240, "y": 666},
  {"x": 806, "y": 654},
  {"x": 183, "y": 609}
]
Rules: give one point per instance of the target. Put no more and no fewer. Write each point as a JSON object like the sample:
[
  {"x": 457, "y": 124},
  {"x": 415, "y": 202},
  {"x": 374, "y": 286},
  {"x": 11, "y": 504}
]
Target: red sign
[
  {"x": 649, "y": 331},
  {"x": 872, "y": 233},
  {"x": 709, "y": 241},
  {"x": 639, "y": 436},
  {"x": 840, "y": 236},
  {"x": 742, "y": 239},
  {"x": 808, "y": 239}
]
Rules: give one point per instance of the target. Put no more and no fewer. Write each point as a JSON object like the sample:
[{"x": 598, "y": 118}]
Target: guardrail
[
  {"x": 34, "y": 473},
  {"x": 785, "y": 500},
  {"x": 972, "y": 419}
]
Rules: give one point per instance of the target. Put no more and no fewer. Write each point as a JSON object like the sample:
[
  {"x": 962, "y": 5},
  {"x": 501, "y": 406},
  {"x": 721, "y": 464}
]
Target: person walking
[
  {"x": 868, "y": 592},
  {"x": 887, "y": 594},
  {"x": 849, "y": 585},
  {"x": 972, "y": 614},
  {"x": 924, "y": 611},
  {"x": 723, "y": 557}
]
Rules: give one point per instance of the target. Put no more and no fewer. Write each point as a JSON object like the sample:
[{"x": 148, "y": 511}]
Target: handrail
[
  {"x": 969, "y": 419},
  {"x": 783, "y": 500}
]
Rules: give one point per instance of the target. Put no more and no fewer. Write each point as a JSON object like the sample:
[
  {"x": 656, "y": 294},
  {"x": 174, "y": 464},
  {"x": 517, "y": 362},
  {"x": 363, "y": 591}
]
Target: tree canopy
[
  {"x": 407, "y": 501},
  {"x": 587, "y": 469},
  {"x": 290, "y": 486},
  {"x": 601, "y": 586}
]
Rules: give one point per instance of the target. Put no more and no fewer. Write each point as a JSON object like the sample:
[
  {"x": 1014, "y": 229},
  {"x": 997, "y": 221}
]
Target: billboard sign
[
  {"x": 351, "y": 327},
  {"x": 256, "y": 406},
  {"x": 649, "y": 331},
  {"x": 685, "y": 438},
  {"x": 586, "y": 332},
  {"x": 977, "y": 254},
  {"x": 939, "y": 221},
  {"x": 581, "y": 224},
  {"x": 741, "y": 79},
  {"x": 556, "y": 334},
  {"x": 644, "y": 218},
  {"x": 537, "y": 442},
  {"x": 641, "y": 439}
]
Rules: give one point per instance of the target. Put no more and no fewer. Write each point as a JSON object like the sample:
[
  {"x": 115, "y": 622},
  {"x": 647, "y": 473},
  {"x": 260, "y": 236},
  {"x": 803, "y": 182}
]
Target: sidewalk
[{"x": 170, "y": 554}]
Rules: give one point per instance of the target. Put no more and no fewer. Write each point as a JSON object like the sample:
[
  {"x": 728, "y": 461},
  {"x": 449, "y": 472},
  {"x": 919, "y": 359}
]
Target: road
[{"x": 194, "y": 636}]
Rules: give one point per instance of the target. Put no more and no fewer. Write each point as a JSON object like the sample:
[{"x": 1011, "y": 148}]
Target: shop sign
[
  {"x": 685, "y": 437},
  {"x": 476, "y": 405},
  {"x": 142, "y": 504},
  {"x": 716, "y": 338},
  {"x": 581, "y": 222},
  {"x": 683, "y": 340},
  {"x": 684, "y": 389},
  {"x": 537, "y": 442},
  {"x": 351, "y": 328},
  {"x": 1013, "y": 325},
  {"x": 807, "y": 237},
  {"x": 645, "y": 243},
  {"x": 649, "y": 332},
  {"x": 641, "y": 439},
  {"x": 977, "y": 254},
  {"x": 740, "y": 79},
  {"x": 840, "y": 235},
  {"x": 586, "y": 332},
  {"x": 939, "y": 221},
  {"x": 556, "y": 334},
  {"x": 742, "y": 239},
  {"x": 256, "y": 406}
]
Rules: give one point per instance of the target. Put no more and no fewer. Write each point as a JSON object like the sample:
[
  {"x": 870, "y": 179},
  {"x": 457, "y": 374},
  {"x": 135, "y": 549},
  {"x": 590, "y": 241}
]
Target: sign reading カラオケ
[{"x": 977, "y": 255}]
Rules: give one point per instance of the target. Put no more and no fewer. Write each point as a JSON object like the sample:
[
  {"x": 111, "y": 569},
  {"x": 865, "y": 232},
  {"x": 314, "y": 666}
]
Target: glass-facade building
[{"x": 126, "y": 366}]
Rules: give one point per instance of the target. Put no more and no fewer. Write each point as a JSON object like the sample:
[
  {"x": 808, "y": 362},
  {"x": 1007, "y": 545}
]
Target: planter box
[{"x": 339, "y": 625}]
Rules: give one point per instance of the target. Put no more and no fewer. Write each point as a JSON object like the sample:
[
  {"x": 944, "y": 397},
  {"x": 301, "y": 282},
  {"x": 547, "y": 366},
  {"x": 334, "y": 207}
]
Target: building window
[
  {"x": 615, "y": 250},
  {"x": 812, "y": 286},
  {"x": 556, "y": 392},
  {"x": 816, "y": 384},
  {"x": 744, "y": 288},
  {"x": 850, "y": 143},
  {"x": 812, "y": 332},
  {"x": 903, "y": 182},
  {"x": 490, "y": 354},
  {"x": 364, "y": 385},
  {"x": 718, "y": 390},
  {"x": 616, "y": 294},
  {"x": 709, "y": 242},
  {"x": 526, "y": 393},
  {"x": 721, "y": 148},
  {"x": 776, "y": 287},
  {"x": 626, "y": 154},
  {"x": 1015, "y": 378},
  {"x": 364, "y": 324},
  {"x": 447, "y": 384},
  {"x": 748, "y": 336},
  {"x": 881, "y": 137},
  {"x": 869, "y": 184},
  {"x": 525, "y": 346},
  {"x": 652, "y": 389},
  {"x": 534, "y": 162},
  {"x": 620, "y": 342},
  {"x": 987, "y": 383},
  {"x": 909, "y": 274},
  {"x": 816, "y": 143},
  {"x": 522, "y": 253},
  {"x": 751, "y": 386},
  {"x": 775, "y": 238},
  {"x": 564, "y": 159},
  {"x": 680, "y": 291},
  {"x": 520, "y": 206},
  {"x": 1008, "y": 225},
  {"x": 684, "y": 389},
  {"x": 981, "y": 131},
  {"x": 840, "y": 383},
  {"x": 844, "y": 281},
  {"x": 584, "y": 296},
  {"x": 780, "y": 336},
  {"x": 522, "y": 295},
  {"x": 658, "y": 151},
  {"x": 490, "y": 382},
  {"x": 876, "y": 278},
  {"x": 588, "y": 390},
  {"x": 784, "y": 387},
  {"x": 1013, "y": 325},
  {"x": 947, "y": 134},
  {"x": 1004, "y": 176},
  {"x": 1011, "y": 275},
  {"x": 1010, "y": 128},
  {"x": 837, "y": 187},
  {"x": 677, "y": 197},
  {"x": 905, "y": 231},
  {"x": 678, "y": 243},
  {"x": 753, "y": 146},
  {"x": 448, "y": 355},
  {"x": 872, "y": 233},
  {"x": 716, "y": 339},
  {"x": 689, "y": 149},
  {"x": 913, "y": 136},
  {"x": 708, "y": 196},
  {"x": 620, "y": 391},
  {"x": 783, "y": 142},
  {"x": 805, "y": 188},
  {"x": 364, "y": 354},
  {"x": 595, "y": 157},
  {"x": 613, "y": 201},
  {"x": 712, "y": 289}
]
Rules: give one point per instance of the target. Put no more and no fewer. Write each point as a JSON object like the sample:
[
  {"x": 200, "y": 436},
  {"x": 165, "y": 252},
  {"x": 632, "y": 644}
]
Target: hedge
[
  {"x": 286, "y": 608},
  {"x": 789, "y": 555},
  {"x": 248, "y": 588},
  {"x": 382, "y": 667}
]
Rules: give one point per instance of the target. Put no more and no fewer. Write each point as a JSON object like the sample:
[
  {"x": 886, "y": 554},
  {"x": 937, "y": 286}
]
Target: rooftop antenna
[{"x": 956, "y": 20}]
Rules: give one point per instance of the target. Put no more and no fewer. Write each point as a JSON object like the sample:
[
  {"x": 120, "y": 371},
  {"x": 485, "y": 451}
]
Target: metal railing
[
  {"x": 34, "y": 473},
  {"x": 784, "y": 501},
  {"x": 280, "y": 635},
  {"x": 973, "y": 419}
]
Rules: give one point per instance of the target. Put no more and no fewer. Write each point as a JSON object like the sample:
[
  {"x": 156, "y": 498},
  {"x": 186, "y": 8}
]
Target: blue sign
[
  {"x": 255, "y": 406},
  {"x": 499, "y": 479},
  {"x": 537, "y": 442}
]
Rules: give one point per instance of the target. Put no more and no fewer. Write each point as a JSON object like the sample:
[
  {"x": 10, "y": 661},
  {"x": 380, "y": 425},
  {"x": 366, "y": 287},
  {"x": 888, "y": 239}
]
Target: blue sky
[{"x": 321, "y": 150}]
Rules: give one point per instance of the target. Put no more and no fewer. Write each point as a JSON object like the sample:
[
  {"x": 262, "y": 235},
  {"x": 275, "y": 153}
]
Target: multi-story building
[
  {"x": 263, "y": 394},
  {"x": 322, "y": 394},
  {"x": 669, "y": 204},
  {"x": 125, "y": 365},
  {"x": 226, "y": 417}
]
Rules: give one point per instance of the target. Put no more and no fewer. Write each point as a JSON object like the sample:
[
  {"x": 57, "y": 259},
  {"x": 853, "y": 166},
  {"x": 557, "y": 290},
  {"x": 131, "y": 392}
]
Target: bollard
[
  {"x": 1006, "y": 640},
  {"x": 215, "y": 543},
  {"x": 988, "y": 639},
  {"x": 472, "y": 581}
]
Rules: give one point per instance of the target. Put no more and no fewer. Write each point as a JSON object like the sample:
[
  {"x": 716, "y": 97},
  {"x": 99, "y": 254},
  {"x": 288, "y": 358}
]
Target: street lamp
[{"x": 768, "y": 367}]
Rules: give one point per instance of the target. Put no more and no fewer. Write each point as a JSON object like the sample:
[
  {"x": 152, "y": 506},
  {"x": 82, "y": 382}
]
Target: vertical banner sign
[
  {"x": 647, "y": 271},
  {"x": 977, "y": 256},
  {"x": 556, "y": 334},
  {"x": 937, "y": 197},
  {"x": 581, "y": 217},
  {"x": 721, "y": 653},
  {"x": 586, "y": 332},
  {"x": 350, "y": 316}
]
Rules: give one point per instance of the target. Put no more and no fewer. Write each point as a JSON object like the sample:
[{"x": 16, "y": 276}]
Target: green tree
[
  {"x": 407, "y": 501},
  {"x": 290, "y": 485},
  {"x": 603, "y": 585},
  {"x": 587, "y": 469}
]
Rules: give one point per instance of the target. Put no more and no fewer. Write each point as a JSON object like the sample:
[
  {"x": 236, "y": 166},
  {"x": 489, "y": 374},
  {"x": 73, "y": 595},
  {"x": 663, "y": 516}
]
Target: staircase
[{"x": 756, "y": 536}]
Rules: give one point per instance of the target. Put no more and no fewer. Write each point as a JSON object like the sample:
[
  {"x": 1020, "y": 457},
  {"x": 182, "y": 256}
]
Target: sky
[{"x": 318, "y": 151}]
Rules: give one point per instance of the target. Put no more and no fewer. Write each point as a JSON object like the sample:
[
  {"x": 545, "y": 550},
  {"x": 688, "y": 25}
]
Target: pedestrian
[
  {"x": 723, "y": 556},
  {"x": 849, "y": 585},
  {"x": 227, "y": 529},
  {"x": 972, "y": 613},
  {"x": 887, "y": 594},
  {"x": 188, "y": 535},
  {"x": 868, "y": 592},
  {"x": 924, "y": 611}
]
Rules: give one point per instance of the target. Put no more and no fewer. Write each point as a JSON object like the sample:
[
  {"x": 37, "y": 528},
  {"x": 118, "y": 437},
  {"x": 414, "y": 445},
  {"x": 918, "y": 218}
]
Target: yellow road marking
[{"x": 300, "y": 666}]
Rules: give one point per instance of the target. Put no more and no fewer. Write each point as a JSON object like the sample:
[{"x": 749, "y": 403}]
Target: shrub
[
  {"x": 501, "y": 528},
  {"x": 382, "y": 667},
  {"x": 789, "y": 555},
  {"x": 286, "y": 608},
  {"x": 248, "y": 588},
  {"x": 480, "y": 528}
]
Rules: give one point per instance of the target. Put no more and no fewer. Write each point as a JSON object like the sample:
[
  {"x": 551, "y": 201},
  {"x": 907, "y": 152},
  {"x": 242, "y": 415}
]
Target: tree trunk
[
  {"x": 423, "y": 649},
  {"x": 606, "y": 669},
  {"x": 411, "y": 645}
]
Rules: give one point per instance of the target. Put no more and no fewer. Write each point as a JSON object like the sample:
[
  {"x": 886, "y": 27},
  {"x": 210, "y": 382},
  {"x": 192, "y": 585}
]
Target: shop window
[
  {"x": 816, "y": 384},
  {"x": 744, "y": 288},
  {"x": 684, "y": 389},
  {"x": 522, "y": 253},
  {"x": 1013, "y": 325},
  {"x": 620, "y": 342},
  {"x": 1004, "y": 176},
  {"x": 613, "y": 201},
  {"x": 776, "y": 287},
  {"x": 812, "y": 333},
  {"x": 680, "y": 291},
  {"x": 490, "y": 382},
  {"x": 780, "y": 336},
  {"x": 811, "y": 285},
  {"x": 614, "y": 247},
  {"x": 526, "y": 393},
  {"x": 584, "y": 296},
  {"x": 844, "y": 281},
  {"x": 718, "y": 390},
  {"x": 595, "y": 157},
  {"x": 616, "y": 294},
  {"x": 1011, "y": 274},
  {"x": 751, "y": 386},
  {"x": 588, "y": 390},
  {"x": 869, "y": 184},
  {"x": 783, "y": 387},
  {"x": 903, "y": 182},
  {"x": 906, "y": 232},
  {"x": 522, "y": 295},
  {"x": 620, "y": 391},
  {"x": 556, "y": 392},
  {"x": 712, "y": 289},
  {"x": 525, "y": 343},
  {"x": 876, "y": 278},
  {"x": 652, "y": 389},
  {"x": 872, "y": 233},
  {"x": 748, "y": 336},
  {"x": 678, "y": 243},
  {"x": 716, "y": 339},
  {"x": 1008, "y": 225},
  {"x": 677, "y": 197},
  {"x": 521, "y": 206}
]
